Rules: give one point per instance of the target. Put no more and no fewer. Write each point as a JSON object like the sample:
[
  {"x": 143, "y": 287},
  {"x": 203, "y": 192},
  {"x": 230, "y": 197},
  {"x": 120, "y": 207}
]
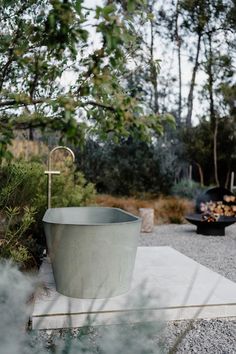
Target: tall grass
[
  {"x": 25, "y": 149},
  {"x": 166, "y": 209}
]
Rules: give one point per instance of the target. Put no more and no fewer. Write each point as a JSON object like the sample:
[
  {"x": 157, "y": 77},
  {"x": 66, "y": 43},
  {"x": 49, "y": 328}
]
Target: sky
[{"x": 169, "y": 65}]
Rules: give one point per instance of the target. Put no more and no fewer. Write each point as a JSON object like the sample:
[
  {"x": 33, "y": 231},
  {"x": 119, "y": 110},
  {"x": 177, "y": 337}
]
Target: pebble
[{"x": 215, "y": 336}]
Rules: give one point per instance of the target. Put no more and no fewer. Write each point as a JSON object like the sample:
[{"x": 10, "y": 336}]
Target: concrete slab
[{"x": 166, "y": 285}]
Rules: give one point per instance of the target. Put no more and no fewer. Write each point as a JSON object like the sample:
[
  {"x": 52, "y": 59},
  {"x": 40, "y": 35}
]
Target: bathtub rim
[{"x": 137, "y": 219}]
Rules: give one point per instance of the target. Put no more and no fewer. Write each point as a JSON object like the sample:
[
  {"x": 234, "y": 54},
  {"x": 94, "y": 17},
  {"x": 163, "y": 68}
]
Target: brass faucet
[{"x": 50, "y": 172}]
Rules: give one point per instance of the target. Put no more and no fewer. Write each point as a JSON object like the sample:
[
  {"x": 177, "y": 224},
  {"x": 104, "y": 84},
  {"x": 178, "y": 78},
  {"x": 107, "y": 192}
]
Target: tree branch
[
  {"x": 99, "y": 104},
  {"x": 23, "y": 102}
]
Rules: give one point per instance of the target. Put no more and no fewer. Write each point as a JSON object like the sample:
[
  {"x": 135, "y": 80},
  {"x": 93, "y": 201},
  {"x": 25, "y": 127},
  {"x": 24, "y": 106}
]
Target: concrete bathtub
[{"x": 92, "y": 250}]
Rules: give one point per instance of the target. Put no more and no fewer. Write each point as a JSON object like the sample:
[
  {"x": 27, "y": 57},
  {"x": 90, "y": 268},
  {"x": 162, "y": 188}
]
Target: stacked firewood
[
  {"x": 211, "y": 211},
  {"x": 229, "y": 198},
  {"x": 210, "y": 217}
]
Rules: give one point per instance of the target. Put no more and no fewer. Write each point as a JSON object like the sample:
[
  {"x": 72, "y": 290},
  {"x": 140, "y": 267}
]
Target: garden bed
[{"x": 166, "y": 209}]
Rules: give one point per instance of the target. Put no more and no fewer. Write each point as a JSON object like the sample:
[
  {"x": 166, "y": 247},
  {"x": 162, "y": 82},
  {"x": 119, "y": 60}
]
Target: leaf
[
  {"x": 107, "y": 10},
  {"x": 130, "y": 5},
  {"x": 78, "y": 7},
  {"x": 170, "y": 119}
]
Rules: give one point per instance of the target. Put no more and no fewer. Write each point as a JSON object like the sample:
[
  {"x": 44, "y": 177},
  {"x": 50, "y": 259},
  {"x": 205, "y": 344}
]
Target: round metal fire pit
[
  {"x": 207, "y": 227},
  {"x": 216, "y": 228}
]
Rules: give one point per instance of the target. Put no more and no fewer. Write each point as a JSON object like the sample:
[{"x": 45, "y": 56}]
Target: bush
[
  {"x": 23, "y": 201},
  {"x": 172, "y": 209},
  {"x": 17, "y": 238},
  {"x": 130, "y": 168},
  {"x": 15, "y": 290},
  {"x": 187, "y": 188}
]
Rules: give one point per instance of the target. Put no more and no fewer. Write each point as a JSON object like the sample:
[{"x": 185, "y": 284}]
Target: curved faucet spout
[
  {"x": 57, "y": 148},
  {"x": 50, "y": 172}
]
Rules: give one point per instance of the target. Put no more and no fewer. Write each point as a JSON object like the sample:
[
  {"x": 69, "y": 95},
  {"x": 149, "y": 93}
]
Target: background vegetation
[
  {"x": 23, "y": 201},
  {"x": 140, "y": 338},
  {"x": 120, "y": 87},
  {"x": 95, "y": 78}
]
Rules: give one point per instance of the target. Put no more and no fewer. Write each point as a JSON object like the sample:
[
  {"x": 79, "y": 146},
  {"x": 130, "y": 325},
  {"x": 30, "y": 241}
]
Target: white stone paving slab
[{"x": 166, "y": 285}]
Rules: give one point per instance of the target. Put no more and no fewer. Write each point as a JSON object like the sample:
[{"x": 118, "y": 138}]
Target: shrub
[
  {"x": 173, "y": 209},
  {"x": 23, "y": 201},
  {"x": 72, "y": 190},
  {"x": 17, "y": 238},
  {"x": 187, "y": 188},
  {"x": 15, "y": 290},
  {"x": 130, "y": 168}
]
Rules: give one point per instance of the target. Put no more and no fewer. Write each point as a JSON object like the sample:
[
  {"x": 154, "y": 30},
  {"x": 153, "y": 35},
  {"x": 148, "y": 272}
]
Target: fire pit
[{"x": 215, "y": 209}]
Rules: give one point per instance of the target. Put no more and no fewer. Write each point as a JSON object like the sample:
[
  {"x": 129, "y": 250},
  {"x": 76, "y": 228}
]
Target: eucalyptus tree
[
  {"x": 205, "y": 30},
  {"x": 42, "y": 42},
  {"x": 143, "y": 81},
  {"x": 218, "y": 64},
  {"x": 169, "y": 20}
]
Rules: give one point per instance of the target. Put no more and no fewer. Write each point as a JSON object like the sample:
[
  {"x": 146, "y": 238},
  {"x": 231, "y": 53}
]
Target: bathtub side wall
[{"x": 92, "y": 261}]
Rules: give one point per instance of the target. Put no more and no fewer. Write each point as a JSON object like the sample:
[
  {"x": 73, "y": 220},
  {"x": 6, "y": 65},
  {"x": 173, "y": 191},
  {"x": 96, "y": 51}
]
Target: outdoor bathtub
[{"x": 92, "y": 250}]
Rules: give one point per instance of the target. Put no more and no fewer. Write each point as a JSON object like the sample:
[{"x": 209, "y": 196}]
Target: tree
[
  {"x": 143, "y": 81},
  {"x": 198, "y": 150},
  {"x": 198, "y": 144},
  {"x": 131, "y": 167},
  {"x": 43, "y": 40},
  {"x": 218, "y": 66},
  {"x": 179, "y": 45}
]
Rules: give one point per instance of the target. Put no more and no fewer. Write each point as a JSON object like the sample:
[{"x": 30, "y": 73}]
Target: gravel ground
[
  {"x": 215, "y": 252},
  {"x": 218, "y": 253},
  {"x": 216, "y": 336}
]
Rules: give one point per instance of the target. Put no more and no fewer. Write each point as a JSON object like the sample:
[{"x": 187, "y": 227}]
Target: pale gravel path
[
  {"x": 215, "y": 252},
  {"x": 218, "y": 253}
]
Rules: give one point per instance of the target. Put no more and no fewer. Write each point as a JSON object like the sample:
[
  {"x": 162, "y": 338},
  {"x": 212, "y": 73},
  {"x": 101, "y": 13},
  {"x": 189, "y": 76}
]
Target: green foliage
[
  {"x": 25, "y": 184},
  {"x": 21, "y": 184},
  {"x": 187, "y": 188},
  {"x": 16, "y": 234},
  {"x": 23, "y": 200},
  {"x": 15, "y": 290},
  {"x": 71, "y": 190},
  {"x": 198, "y": 148},
  {"x": 128, "y": 168},
  {"x": 42, "y": 41},
  {"x": 19, "y": 255}
]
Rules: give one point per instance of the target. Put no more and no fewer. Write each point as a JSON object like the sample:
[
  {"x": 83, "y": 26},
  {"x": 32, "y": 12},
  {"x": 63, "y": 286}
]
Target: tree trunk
[
  {"x": 192, "y": 85},
  {"x": 200, "y": 173},
  {"x": 178, "y": 40},
  {"x": 210, "y": 82},
  {"x": 227, "y": 180},
  {"x": 215, "y": 153},
  {"x": 153, "y": 70},
  {"x": 31, "y": 134},
  {"x": 213, "y": 119}
]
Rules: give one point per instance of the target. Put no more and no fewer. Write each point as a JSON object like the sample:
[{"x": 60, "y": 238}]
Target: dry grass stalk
[
  {"x": 166, "y": 209},
  {"x": 27, "y": 149}
]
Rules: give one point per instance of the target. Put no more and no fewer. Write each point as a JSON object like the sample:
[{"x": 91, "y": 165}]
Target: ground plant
[
  {"x": 138, "y": 339},
  {"x": 23, "y": 201},
  {"x": 128, "y": 168},
  {"x": 187, "y": 188},
  {"x": 166, "y": 209}
]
